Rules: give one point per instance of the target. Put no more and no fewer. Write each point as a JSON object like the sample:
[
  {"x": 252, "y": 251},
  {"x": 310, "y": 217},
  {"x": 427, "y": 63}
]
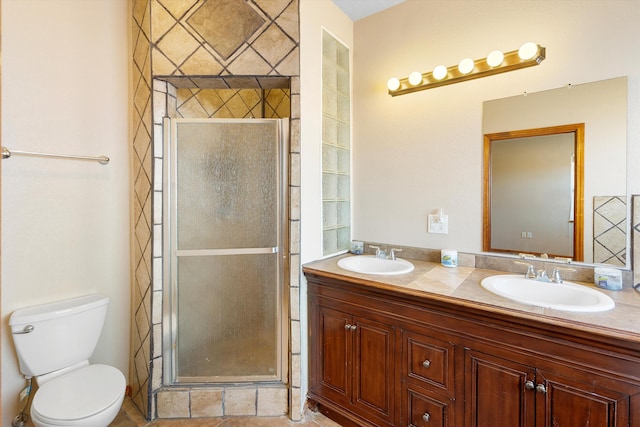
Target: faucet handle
[
  {"x": 392, "y": 253},
  {"x": 555, "y": 276},
  {"x": 380, "y": 253},
  {"x": 531, "y": 272}
]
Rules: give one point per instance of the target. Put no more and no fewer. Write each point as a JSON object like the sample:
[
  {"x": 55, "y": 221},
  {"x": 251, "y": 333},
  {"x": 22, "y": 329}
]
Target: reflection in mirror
[
  {"x": 532, "y": 174},
  {"x": 602, "y": 107}
]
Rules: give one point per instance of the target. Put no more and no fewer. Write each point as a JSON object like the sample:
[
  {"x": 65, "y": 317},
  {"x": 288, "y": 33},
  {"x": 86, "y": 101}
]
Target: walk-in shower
[{"x": 225, "y": 234}]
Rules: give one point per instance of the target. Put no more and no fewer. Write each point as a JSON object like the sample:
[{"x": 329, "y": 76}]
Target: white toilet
[{"x": 54, "y": 342}]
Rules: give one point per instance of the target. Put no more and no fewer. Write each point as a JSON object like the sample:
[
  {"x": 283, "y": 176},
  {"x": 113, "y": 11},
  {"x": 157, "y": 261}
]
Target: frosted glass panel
[
  {"x": 226, "y": 176},
  {"x": 226, "y": 242},
  {"x": 336, "y": 145},
  {"x": 227, "y": 316}
]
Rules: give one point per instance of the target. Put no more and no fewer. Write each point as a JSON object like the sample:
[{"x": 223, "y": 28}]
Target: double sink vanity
[{"x": 418, "y": 344}]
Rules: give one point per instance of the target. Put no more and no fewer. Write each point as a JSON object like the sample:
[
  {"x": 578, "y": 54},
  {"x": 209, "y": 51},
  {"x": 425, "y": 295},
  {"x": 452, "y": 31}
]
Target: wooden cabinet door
[
  {"x": 333, "y": 351},
  {"x": 564, "y": 402},
  {"x": 374, "y": 368},
  {"x": 495, "y": 392},
  {"x": 353, "y": 364}
]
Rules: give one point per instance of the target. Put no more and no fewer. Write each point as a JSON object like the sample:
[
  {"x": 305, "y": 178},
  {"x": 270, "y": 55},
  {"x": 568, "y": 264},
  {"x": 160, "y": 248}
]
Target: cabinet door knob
[
  {"x": 347, "y": 326},
  {"x": 529, "y": 385},
  {"x": 540, "y": 388},
  {"x": 353, "y": 327},
  {"x": 426, "y": 363},
  {"x": 426, "y": 417}
]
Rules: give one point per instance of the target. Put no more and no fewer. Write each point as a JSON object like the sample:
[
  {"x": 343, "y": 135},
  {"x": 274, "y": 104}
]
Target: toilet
[{"x": 54, "y": 342}]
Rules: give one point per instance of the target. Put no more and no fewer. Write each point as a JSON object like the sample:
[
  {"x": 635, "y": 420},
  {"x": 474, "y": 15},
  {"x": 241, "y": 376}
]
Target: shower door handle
[{"x": 232, "y": 251}]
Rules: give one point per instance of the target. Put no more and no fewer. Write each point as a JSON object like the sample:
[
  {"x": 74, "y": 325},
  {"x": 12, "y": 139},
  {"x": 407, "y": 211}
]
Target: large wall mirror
[
  {"x": 572, "y": 201},
  {"x": 532, "y": 174}
]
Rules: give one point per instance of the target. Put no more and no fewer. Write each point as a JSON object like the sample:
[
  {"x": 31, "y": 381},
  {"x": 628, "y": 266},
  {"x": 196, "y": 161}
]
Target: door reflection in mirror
[{"x": 531, "y": 175}]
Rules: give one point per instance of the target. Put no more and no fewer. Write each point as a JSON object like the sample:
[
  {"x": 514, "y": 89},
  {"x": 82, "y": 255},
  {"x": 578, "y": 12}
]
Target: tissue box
[{"x": 607, "y": 278}]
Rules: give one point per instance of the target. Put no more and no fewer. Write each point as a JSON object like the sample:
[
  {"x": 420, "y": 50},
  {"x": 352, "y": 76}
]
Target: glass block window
[{"x": 336, "y": 144}]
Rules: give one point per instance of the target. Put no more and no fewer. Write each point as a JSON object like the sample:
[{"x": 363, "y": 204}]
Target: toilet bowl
[
  {"x": 54, "y": 342},
  {"x": 88, "y": 396}
]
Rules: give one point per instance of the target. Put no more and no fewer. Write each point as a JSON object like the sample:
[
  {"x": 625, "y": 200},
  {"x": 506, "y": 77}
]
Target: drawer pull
[
  {"x": 426, "y": 363},
  {"x": 426, "y": 417}
]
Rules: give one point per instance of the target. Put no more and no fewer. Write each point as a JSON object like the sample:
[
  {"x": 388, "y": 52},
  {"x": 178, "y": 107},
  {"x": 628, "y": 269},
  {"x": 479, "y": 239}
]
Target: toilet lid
[{"x": 79, "y": 394}]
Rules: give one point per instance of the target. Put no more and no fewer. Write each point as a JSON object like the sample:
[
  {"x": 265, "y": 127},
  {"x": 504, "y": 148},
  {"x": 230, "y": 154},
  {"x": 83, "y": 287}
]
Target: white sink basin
[
  {"x": 369, "y": 264},
  {"x": 565, "y": 296}
]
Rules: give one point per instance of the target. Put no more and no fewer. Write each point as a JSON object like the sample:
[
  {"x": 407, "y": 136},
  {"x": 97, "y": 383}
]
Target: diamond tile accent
[
  {"x": 177, "y": 8},
  {"x": 225, "y": 24},
  {"x": 635, "y": 238},
  {"x": 178, "y": 45},
  {"x": 609, "y": 230},
  {"x": 274, "y": 45}
]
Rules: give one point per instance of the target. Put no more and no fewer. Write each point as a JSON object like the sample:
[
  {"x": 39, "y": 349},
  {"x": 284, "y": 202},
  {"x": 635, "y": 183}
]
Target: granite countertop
[{"x": 461, "y": 286}]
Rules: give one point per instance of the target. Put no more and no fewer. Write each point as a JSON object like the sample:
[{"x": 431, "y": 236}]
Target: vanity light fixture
[{"x": 497, "y": 62}]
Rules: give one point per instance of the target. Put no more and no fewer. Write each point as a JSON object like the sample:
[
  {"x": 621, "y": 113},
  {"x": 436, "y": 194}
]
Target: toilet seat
[{"x": 81, "y": 397}]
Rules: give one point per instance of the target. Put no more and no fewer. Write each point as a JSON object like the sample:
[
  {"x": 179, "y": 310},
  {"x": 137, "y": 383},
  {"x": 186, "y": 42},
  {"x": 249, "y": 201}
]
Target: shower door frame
[{"x": 169, "y": 250}]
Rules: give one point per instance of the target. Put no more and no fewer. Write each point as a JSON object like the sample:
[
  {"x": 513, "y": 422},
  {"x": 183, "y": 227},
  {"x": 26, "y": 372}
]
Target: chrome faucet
[
  {"x": 542, "y": 275},
  {"x": 382, "y": 253}
]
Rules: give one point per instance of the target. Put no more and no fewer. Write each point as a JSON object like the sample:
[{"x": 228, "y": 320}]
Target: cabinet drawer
[
  {"x": 425, "y": 411},
  {"x": 428, "y": 362}
]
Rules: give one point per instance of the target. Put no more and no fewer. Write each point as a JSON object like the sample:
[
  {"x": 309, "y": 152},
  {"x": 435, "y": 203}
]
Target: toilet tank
[{"x": 57, "y": 335}]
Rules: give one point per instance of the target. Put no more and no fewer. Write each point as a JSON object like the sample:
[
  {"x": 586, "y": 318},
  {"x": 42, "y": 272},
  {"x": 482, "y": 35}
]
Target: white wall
[
  {"x": 423, "y": 151},
  {"x": 314, "y": 16},
  {"x": 65, "y": 223}
]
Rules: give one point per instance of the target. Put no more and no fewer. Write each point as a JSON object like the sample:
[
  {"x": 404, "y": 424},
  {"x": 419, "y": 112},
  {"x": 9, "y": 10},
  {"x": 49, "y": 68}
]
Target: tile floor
[{"x": 129, "y": 416}]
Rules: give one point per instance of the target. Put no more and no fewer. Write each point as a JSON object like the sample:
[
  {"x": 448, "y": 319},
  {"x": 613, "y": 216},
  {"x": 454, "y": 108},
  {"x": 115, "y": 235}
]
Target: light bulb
[
  {"x": 415, "y": 78},
  {"x": 527, "y": 50},
  {"x": 466, "y": 66},
  {"x": 495, "y": 58},
  {"x": 393, "y": 83},
  {"x": 440, "y": 72}
]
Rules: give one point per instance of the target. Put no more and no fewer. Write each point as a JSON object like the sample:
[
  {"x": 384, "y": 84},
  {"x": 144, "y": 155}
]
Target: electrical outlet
[{"x": 438, "y": 224}]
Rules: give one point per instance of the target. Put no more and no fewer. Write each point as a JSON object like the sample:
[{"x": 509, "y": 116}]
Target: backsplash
[{"x": 498, "y": 262}]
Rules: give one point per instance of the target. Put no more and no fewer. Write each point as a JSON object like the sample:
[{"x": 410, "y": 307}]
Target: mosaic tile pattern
[
  {"x": 181, "y": 38},
  {"x": 635, "y": 239},
  {"x": 233, "y": 103},
  {"x": 609, "y": 230},
  {"x": 142, "y": 220},
  {"x": 225, "y": 37}
]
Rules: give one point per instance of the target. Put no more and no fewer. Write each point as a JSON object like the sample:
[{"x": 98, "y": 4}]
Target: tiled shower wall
[{"x": 191, "y": 44}]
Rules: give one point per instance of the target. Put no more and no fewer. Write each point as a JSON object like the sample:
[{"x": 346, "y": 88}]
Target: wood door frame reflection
[{"x": 578, "y": 225}]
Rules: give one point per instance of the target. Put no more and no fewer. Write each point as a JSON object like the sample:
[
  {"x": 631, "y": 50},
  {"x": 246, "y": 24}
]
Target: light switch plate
[{"x": 438, "y": 224}]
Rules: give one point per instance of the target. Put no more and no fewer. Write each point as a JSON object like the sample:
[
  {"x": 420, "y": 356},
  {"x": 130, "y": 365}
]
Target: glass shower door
[{"x": 226, "y": 238}]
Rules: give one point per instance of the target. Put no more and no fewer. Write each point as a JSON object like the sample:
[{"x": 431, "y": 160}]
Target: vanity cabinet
[
  {"x": 522, "y": 396},
  {"x": 381, "y": 357},
  {"x": 354, "y": 361}
]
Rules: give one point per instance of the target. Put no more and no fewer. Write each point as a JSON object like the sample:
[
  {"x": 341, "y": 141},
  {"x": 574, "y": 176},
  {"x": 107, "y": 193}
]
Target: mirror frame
[{"x": 578, "y": 225}]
